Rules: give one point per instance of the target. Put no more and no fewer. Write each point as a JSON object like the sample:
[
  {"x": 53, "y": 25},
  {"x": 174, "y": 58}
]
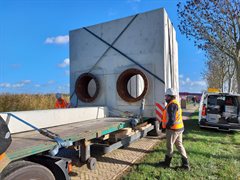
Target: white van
[{"x": 220, "y": 111}]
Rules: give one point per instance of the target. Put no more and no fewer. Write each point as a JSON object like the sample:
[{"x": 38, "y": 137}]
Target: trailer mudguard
[{"x": 5, "y": 136}]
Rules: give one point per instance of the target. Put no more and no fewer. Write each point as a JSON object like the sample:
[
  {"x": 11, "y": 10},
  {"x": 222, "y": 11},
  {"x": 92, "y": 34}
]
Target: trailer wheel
[
  {"x": 91, "y": 163},
  {"x": 26, "y": 170}
]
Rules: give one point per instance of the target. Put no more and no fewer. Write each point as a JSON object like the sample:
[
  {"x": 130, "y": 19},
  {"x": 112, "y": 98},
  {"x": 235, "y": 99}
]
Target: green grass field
[{"x": 212, "y": 155}]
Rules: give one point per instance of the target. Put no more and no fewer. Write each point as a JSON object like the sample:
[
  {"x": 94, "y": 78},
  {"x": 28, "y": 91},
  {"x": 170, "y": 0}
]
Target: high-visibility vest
[
  {"x": 178, "y": 124},
  {"x": 61, "y": 104}
]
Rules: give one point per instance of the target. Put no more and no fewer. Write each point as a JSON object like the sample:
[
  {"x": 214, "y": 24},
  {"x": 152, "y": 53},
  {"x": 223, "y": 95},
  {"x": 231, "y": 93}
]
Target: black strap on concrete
[
  {"x": 113, "y": 42},
  {"x": 74, "y": 92},
  {"x": 126, "y": 56}
]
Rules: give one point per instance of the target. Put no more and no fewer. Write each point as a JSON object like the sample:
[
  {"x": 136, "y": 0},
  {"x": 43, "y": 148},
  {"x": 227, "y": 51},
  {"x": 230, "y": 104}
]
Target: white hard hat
[
  {"x": 58, "y": 95},
  {"x": 171, "y": 92}
]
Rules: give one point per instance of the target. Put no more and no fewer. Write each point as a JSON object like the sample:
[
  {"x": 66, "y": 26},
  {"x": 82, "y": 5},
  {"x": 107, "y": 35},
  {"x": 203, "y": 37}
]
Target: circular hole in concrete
[
  {"x": 135, "y": 86},
  {"x": 92, "y": 87},
  {"x": 132, "y": 85},
  {"x": 87, "y": 87}
]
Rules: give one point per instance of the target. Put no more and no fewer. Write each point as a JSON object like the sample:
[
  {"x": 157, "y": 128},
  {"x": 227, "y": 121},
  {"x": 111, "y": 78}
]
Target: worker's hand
[
  {"x": 168, "y": 127},
  {"x": 164, "y": 130}
]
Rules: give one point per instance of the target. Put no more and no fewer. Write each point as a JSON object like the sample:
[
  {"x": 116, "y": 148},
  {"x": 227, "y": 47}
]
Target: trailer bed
[{"x": 30, "y": 143}]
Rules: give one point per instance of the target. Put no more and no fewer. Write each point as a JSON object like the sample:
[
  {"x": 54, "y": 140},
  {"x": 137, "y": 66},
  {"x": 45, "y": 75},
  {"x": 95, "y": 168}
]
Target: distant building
[{"x": 188, "y": 96}]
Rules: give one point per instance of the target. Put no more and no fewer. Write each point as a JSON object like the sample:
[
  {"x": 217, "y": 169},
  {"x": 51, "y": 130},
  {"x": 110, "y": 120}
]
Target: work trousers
[{"x": 174, "y": 137}]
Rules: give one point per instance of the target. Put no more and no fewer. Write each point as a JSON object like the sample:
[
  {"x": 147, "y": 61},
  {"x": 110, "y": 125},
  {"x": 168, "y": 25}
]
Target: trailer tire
[
  {"x": 26, "y": 170},
  {"x": 91, "y": 163}
]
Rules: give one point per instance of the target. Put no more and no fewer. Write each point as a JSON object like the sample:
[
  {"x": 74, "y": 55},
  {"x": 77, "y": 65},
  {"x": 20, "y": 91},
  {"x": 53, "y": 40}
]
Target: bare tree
[
  {"x": 222, "y": 63},
  {"x": 215, "y": 73},
  {"x": 213, "y": 23}
]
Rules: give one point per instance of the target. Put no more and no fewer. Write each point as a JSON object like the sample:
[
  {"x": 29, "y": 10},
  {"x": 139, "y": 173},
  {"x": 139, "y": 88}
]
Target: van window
[
  {"x": 231, "y": 101},
  {"x": 214, "y": 100}
]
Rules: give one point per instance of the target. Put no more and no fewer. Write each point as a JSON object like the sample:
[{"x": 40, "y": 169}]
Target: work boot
[
  {"x": 185, "y": 164},
  {"x": 166, "y": 163}
]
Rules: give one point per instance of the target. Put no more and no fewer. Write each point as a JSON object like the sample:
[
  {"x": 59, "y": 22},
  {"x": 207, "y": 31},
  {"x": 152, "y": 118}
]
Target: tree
[
  {"x": 220, "y": 70},
  {"x": 215, "y": 73},
  {"x": 213, "y": 24}
]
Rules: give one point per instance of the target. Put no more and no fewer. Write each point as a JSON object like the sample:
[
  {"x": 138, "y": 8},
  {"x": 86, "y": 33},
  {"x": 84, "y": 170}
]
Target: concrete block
[
  {"x": 54, "y": 117},
  {"x": 150, "y": 40}
]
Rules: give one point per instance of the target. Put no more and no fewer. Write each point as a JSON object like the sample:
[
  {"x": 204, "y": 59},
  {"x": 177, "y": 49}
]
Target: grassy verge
[
  {"x": 22, "y": 102},
  {"x": 212, "y": 155}
]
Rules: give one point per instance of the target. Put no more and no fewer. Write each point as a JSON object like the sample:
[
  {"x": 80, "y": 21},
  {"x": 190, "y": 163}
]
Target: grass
[
  {"x": 212, "y": 155},
  {"x": 23, "y": 102}
]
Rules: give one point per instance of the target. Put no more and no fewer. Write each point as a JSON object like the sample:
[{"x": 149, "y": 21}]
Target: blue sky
[{"x": 34, "y": 49}]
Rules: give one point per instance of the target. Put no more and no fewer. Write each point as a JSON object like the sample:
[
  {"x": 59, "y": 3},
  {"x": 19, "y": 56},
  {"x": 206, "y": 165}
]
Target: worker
[
  {"x": 60, "y": 102},
  {"x": 229, "y": 101},
  {"x": 194, "y": 100},
  {"x": 173, "y": 124}
]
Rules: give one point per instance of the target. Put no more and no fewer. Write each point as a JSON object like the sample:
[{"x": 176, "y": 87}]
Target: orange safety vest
[
  {"x": 178, "y": 124},
  {"x": 61, "y": 104}
]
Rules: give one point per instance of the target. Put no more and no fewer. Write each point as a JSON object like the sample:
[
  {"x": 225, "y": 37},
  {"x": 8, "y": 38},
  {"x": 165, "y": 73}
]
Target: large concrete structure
[{"x": 107, "y": 59}]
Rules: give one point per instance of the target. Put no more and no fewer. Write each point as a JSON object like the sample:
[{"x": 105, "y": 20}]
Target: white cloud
[
  {"x": 26, "y": 81},
  {"x": 5, "y": 85},
  {"x": 188, "y": 80},
  {"x": 15, "y": 66},
  {"x": 15, "y": 85},
  {"x": 57, "y": 40},
  {"x": 65, "y": 63},
  {"x": 67, "y": 72},
  {"x": 187, "y": 85},
  {"x": 51, "y": 82},
  {"x": 199, "y": 51},
  {"x": 134, "y": 1},
  {"x": 63, "y": 88},
  {"x": 134, "y": 5}
]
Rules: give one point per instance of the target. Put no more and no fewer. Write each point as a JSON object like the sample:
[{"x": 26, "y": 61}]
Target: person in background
[
  {"x": 173, "y": 124},
  {"x": 60, "y": 102},
  {"x": 194, "y": 99},
  {"x": 229, "y": 101}
]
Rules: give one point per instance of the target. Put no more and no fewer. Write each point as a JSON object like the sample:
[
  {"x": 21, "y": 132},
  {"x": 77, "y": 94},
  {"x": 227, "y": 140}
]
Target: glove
[{"x": 164, "y": 130}]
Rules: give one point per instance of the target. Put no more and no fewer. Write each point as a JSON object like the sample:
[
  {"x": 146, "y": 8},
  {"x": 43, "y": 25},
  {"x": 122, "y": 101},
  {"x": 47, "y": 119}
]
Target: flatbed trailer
[
  {"x": 30, "y": 143},
  {"x": 34, "y": 147}
]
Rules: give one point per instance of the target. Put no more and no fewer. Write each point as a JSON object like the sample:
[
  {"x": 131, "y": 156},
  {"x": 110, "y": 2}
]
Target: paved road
[
  {"x": 112, "y": 165},
  {"x": 189, "y": 110}
]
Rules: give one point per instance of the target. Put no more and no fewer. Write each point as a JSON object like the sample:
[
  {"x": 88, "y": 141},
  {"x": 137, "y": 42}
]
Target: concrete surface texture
[{"x": 150, "y": 40}]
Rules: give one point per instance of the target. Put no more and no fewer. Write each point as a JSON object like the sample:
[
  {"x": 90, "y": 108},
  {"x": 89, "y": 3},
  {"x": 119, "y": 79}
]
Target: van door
[
  {"x": 231, "y": 109},
  {"x": 200, "y": 107},
  {"x": 215, "y": 105}
]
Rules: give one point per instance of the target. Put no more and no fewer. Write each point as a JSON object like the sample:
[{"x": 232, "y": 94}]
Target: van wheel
[{"x": 26, "y": 170}]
